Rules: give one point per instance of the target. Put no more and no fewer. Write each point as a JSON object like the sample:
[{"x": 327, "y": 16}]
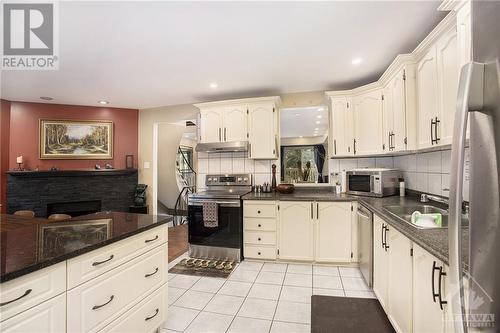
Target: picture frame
[
  {"x": 76, "y": 139},
  {"x": 58, "y": 238}
]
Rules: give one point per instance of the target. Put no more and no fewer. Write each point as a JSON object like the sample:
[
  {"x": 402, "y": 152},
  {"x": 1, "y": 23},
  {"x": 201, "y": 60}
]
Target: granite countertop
[
  {"x": 30, "y": 244},
  {"x": 435, "y": 241}
]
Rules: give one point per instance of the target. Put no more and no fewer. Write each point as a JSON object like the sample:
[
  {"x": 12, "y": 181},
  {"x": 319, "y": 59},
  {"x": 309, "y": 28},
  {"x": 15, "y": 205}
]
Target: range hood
[{"x": 215, "y": 147}]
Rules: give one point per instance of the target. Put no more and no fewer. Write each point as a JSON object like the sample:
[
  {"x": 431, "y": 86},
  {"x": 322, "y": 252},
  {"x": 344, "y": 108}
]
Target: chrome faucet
[{"x": 428, "y": 197}]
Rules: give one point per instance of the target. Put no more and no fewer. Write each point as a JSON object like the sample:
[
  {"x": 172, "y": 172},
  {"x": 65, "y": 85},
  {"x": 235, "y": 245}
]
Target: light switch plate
[{"x": 147, "y": 165}]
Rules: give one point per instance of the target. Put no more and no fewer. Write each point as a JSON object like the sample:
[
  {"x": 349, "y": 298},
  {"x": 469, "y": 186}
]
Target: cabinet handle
[
  {"x": 259, "y": 239},
  {"x": 95, "y": 263},
  {"x": 436, "y": 122},
  {"x": 220, "y": 137},
  {"x": 434, "y": 295},
  {"x": 258, "y": 212},
  {"x": 317, "y": 210},
  {"x": 354, "y": 143},
  {"x": 151, "y": 317},
  {"x": 259, "y": 225},
  {"x": 382, "y": 235},
  {"x": 389, "y": 140},
  {"x": 225, "y": 134},
  {"x": 439, "y": 293},
  {"x": 95, "y": 307},
  {"x": 258, "y": 253},
  {"x": 441, "y": 274},
  {"x": 432, "y": 131},
  {"x": 151, "y": 240},
  {"x": 385, "y": 238},
  {"x": 151, "y": 274},
  {"x": 26, "y": 293},
  {"x": 312, "y": 211},
  {"x": 335, "y": 147}
]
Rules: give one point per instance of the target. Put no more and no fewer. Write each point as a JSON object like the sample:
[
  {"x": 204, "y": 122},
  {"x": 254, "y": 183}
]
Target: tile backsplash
[
  {"x": 221, "y": 163},
  {"x": 426, "y": 172}
]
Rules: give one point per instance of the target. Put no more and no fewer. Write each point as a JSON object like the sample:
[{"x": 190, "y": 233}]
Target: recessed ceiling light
[
  {"x": 319, "y": 116},
  {"x": 103, "y": 102},
  {"x": 356, "y": 61},
  {"x": 297, "y": 114},
  {"x": 321, "y": 109},
  {"x": 46, "y": 98},
  {"x": 213, "y": 85},
  {"x": 316, "y": 129},
  {"x": 317, "y": 121},
  {"x": 301, "y": 136}
]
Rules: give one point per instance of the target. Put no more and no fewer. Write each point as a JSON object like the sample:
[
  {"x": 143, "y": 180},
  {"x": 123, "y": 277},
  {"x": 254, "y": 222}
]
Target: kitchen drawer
[
  {"x": 95, "y": 263},
  {"x": 260, "y": 209},
  {"x": 259, "y": 252},
  {"x": 259, "y": 224},
  {"x": 146, "y": 316},
  {"x": 47, "y": 317},
  {"x": 94, "y": 304},
  {"x": 31, "y": 289},
  {"x": 259, "y": 237}
]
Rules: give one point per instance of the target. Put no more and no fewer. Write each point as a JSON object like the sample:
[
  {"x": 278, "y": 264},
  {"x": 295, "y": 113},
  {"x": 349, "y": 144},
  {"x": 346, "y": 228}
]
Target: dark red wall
[
  {"x": 4, "y": 149},
  {"x": 24, "y": 133}
]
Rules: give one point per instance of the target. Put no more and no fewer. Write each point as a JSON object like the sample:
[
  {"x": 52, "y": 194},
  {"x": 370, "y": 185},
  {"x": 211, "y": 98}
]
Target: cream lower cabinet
[
  {"x": 259, "y": 229},
  {"x": 48, "y": 317},
  {"x": 392, "y": 275},
  {"x": 427, "y": 313},
  {"x": 315, "y": 231}
]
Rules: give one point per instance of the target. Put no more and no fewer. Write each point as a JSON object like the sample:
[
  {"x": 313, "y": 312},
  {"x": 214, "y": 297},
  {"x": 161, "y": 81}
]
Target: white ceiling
[
  {"x": 148, "y": 54},
  {"x": 304, "y": 122}
]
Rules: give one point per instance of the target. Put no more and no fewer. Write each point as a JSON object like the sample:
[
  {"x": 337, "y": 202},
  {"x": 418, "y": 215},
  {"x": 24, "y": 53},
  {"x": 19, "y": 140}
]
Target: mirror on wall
[{"x": 304, "y": 145}]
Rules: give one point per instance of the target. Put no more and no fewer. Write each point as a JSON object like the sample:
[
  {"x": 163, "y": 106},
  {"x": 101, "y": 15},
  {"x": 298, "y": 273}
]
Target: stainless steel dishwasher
[{"x": 365, "y": 227}]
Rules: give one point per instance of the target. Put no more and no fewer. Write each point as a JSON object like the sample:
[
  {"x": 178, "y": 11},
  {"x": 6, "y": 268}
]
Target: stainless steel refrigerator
[{"x": 479, "y": 100}]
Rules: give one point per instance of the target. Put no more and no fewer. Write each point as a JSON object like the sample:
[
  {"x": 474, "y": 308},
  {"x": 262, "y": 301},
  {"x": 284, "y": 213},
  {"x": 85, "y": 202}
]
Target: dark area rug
[
  {"x": 347, "y": 314},
  {"x": 202, "y": 267}
]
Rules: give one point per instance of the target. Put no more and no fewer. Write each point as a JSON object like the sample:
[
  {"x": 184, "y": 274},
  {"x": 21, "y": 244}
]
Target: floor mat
[
  {"x": 347, "y": 314},
  {"x": 202, "y": 267}
]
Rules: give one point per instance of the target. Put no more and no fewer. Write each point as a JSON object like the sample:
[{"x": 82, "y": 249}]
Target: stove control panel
[{"x": 229, "y": 180}]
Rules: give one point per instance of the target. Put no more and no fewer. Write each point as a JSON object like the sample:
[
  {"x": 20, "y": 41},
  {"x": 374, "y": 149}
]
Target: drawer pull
[
  {"x": 151, "y": 317},
  {"x": 151, "y": 240},
  {"x": 258, "y": 212},
  {"x": 26, "y": 293},
  {"x": 151, "y": 274},
  {"x": 258, "y": 253},
  {"x": 95, "y": 307},
  {"x": 102, "y": 262},
  {"x": 260, "y": 225},
  {"x": 259, "y": 239}
]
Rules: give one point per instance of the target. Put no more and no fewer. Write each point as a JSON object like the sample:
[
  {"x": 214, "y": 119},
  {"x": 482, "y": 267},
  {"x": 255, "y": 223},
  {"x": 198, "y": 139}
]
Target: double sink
[{"x": 404, "y": 212}]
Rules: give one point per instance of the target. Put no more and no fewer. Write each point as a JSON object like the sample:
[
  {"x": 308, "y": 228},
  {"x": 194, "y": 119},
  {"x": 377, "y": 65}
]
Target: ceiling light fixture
[
  {"x": 356, "y": 61},
  {"x": 213, "y": 85},
  {"x": 316, "y": 129},
  {"x": 321, "y": 109},
  {"x": 319, "y": 116},
  {"x": 301, "y": 136},
  {"x": 103, "y": 102},
  {"x": 46, "y": 98},
  {"x": 317, "y": 121},
  {"x": 297, "y": 114}
]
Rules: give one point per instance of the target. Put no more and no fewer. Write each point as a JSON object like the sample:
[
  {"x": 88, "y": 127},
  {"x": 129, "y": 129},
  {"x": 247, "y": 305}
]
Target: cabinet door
[
  {"x": 400, "y": 280},
  {"x": 48, "y": 317},
  {"x": 398, "y": 90},
  {"x": 235, "y": 124},
  {"x": 427, "y": 315},
  {"x": 211, "y": 125},
  {"x": 388, "y": 117},
  {"x": 448, "y": 73},
  {"x": 262, "y": 131},
  {"x": 368, "y": 123},
  {"x": 341, "y": 126},
  {"x": 296, "y": 230},
  {"x": 333, "y": 231},
  {"x": 427, "y": 91},
  {"x": 380, "y": 262}
]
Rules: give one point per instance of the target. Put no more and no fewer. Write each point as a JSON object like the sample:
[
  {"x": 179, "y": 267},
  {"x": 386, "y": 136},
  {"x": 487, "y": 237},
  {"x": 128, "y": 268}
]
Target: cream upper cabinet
[
  {"x": 448, "y": 74},
  {"x": 427, "y": 314},
  {"x": 394, "y": 103},
  {"x": 235, "y": 123},
  {"x": 296, "y": 232},
  {"x": 342, "y": 126},
  {"x": 333, "y": 231},
  {"x": 380, "y": 262},
  {"x": 388, "y": 117},
  {"x": 427, "y": 92},
  {"x": 211, "y": 124},
  {"x": 400, "y": 280},
  {"x": 262, "y": 130},
  {"x": 368, "y": 123}
]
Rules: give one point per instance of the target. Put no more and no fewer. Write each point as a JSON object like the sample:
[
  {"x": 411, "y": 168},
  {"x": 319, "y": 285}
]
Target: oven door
[
  {"x": 228, "y": 233},
  {"x": 360, "y": 184}
]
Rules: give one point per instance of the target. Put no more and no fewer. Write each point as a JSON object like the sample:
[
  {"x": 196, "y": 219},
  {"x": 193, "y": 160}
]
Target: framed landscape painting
[{"x": 76, "y": 139}]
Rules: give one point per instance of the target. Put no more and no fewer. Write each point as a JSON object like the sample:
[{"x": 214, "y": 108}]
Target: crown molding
[
  {"x": 273, "y": 99},
  {"x": 452, "y": 5}
]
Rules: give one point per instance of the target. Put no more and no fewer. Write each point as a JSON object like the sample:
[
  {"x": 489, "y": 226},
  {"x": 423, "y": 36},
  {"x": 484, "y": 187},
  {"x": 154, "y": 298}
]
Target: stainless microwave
[{"x": 376, "y": 182}]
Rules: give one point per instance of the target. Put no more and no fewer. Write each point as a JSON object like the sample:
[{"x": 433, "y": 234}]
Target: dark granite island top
[
  {"x": 30, "y": 244},
  {"x": 435, "y": 241}
]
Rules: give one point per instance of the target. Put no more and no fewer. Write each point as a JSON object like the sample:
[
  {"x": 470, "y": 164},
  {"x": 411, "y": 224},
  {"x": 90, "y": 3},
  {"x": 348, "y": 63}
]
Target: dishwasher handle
[{"x": 363, "y": 215}]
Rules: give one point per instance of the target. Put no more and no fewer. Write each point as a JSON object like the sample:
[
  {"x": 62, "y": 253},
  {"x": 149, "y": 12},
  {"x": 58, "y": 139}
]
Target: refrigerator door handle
[{"x": 469, "y": 97}]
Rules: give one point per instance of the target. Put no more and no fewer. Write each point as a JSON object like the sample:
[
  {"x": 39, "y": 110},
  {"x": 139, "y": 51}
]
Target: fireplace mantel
[{"x": 72, "y": 173}]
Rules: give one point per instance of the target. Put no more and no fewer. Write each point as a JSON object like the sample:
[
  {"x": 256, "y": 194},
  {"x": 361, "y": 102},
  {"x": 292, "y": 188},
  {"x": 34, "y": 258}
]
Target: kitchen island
[{"x": 99, "y": 272}]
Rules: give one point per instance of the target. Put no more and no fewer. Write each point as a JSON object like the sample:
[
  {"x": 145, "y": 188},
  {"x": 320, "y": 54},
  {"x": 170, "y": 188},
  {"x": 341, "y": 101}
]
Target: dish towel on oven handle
[{"x": 210, "y": 214}]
